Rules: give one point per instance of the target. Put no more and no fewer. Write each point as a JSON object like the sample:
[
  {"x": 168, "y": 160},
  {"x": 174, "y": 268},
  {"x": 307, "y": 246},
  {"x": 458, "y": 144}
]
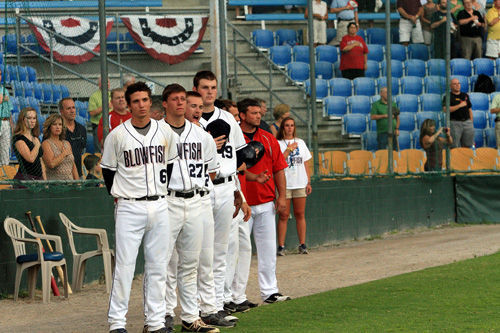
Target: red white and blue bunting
[
  {"x": 170, "y": 39},
  {"x": 78, "y": 30}
]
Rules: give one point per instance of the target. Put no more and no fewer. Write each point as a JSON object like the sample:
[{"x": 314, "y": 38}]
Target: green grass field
[{"x": 460, "y": 297}]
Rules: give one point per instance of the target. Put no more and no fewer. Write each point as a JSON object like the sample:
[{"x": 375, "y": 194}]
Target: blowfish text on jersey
[
  {"x": 144, "y": 155},
  {"x": 189, "y": 150}
]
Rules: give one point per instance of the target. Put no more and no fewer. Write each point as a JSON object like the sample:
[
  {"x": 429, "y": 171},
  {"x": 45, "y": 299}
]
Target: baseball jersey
[
  {"x": 115, "y": 119},
  {"x": 140, "y": 161},
  {"x": 272, "y": 161},
  {"x": 196, "y": 159},
  {"x": 236, "y": 141}
]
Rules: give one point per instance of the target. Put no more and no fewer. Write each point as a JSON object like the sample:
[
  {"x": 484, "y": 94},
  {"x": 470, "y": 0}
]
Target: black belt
[
  {"x": 151, "y": 198},
  {"x": 221, "y": 180},
  {"x": 339, "y": 19},
  {"x": 185, "y": 195},
  {"x": 203, "y": 193}
]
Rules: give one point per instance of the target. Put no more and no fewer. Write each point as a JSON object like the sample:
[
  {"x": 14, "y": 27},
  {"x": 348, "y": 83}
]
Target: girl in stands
[
  {"x": 27, "y": 147},
  {"x": 433, "y": 142},
  {"x": 298, "y": 183}
]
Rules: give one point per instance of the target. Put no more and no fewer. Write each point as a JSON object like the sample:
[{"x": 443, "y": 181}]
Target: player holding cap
[{"x": 134, "y": 166}]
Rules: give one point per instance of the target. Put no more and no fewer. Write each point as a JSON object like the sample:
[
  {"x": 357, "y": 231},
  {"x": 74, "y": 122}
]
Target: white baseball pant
[
  {"x": 5, "y": 142},
  {"x": 170, "y": 294},
  {"x": 232, "y": 257},
  {"x": 206, "y": 287},
  {"x": 186, "y": 235},
  {"x": 135, "y": 220},
  {"x": 242, "y": 268}
]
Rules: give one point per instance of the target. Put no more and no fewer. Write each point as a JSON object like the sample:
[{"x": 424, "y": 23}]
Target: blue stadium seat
[
  {"x": 359, "y": 104},
  {"x": 415, "y": 138},
  {"x": 12, "y": 73},
  {"x": 396, "y": 68},
  {"x": 464, "y": 82},
  {"x": 111, "y": 41},
  {"x": 321, "y": 89},
  {"x": 492, "y": 117},
  {"x": 461, "y": 66},
  {"x": 395, "y": 35},
  {"x": 434, "y": 85},
  {"x": 484, "y": 66},
  {"x": 300, "y": 53},
  {"x": 479, "y": 101},
  {"x": 404, "y": 140},
  {"x": 398, "y": 52},
  {"x": 81, "y": 120},
  {"x": 90, "y": 143},
  {"x": 354, "y": 124},
  {"x": 407, "y": 121},
  {"x": 298, "y": 71},
  {"x": 81, "y": 110},
  {"x": 1, "y": 58},
  {"x": 281, "y": 55},
  {"x": 17, "y": 88},
  {"x": 340, "y": 87},
  {"x": 37, "y": 90},
  {"x": 415, "y": 67},
  {"x": 32, "y": 44},
  {"x": 41, "y": 121},
  {"x": 382, "y": 82},
  {"x": 423, "y": 115},
  {"x": 56, "y": 93},
  {"x": 327, "y": 53},
  {"x": 373, "y": 69},
  {"x": 364, "y": 86},
  {"x": 129, "y": 44},
  {"x": 418, "y": 51},
  {"x": 33, "y": 102},
  {"x": 496, "y": 81},
  {"x": 491, "y": 140},
  {"x": 411, "y": 85},
  {"x": 407, "y": 103},
  {"x": 361, "y": 33},
  {"x": 480, "y": 119},
  {"x": 324, "y": 70},
  {"x": 22, "y": 73},
  {"x": 336, "y": 67},
  {"x": 436, "y": 67},
  {"x": 375, "y": 36},
  {"x": 23, "y": 103},
  {"x": 478, "y": 138},
  {"x": 28, "y": 89},
  {"x": 369, "y": 141},
  {"x": 286, "y": 37},
  {"x": 375, "y": 52},
  {"x": 431, "y": 102},
  {"x": 10, "y": 42},
  {"x": 331, "y": 33},
  {"x": 31, "y": 74},
  {"x": 64, "y": 91},
  {"x": 262, "y": 38},
  {"x": 15, "y": 105},
  {"x": 335, "y": 106},
  {"x": 47, "y": 93}
]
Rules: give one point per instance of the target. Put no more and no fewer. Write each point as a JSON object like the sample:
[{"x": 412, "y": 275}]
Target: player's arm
[
  {"x": 109, "y": 162},
  {"x": 109, "y": 176},
  {"x": 260, "y": 178},
  {"x": 280, "y": 181}
]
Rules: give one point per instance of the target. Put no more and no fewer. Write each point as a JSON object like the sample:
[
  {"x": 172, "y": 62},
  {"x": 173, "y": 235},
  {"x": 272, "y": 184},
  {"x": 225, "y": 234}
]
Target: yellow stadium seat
[
  {"x": 364, "y": 155},
  {"x": 460, "y": 159},
  {"x": 333, "y": 162},
  {"x": 487, "y": 154},
  {"x": 411, "y": 160},
  {"x": 380, "y": 166},
  {"x": 358, "y": 167}
]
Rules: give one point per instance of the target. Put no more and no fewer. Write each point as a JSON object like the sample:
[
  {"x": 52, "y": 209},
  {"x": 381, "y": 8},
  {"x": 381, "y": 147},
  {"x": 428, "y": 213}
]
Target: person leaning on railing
[{"x": 433, "y": 142}]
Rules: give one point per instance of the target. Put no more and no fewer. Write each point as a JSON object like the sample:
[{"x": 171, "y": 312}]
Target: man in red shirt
[
  {"x": 119, "y": 114},
  {"x": 261, "y": 198}
]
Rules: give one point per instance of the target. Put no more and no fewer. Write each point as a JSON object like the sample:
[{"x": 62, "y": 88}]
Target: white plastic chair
[
  {"x": 17, "y": 232},
  {"x": 79, "y": 259}
]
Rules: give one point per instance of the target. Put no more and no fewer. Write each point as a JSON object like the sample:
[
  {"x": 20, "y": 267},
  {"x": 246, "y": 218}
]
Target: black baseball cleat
[
  {"x": 164, "y": 329},
  {"x": 277, "y": 297},
  {"x": 238, "y": 307},
  {"x": 198, "y": 326},
  {"x": 215, "y": 319},
  {"x": 169, "y": 323},
  {"x": 230, "y": 307},
  {"x": 248, "y": 303}
]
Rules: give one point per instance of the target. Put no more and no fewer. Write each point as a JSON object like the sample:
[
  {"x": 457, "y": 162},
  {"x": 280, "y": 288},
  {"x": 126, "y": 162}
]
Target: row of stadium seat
[
  {"x": 18, "y": 73},
  {"x": 44, "y": 92}
]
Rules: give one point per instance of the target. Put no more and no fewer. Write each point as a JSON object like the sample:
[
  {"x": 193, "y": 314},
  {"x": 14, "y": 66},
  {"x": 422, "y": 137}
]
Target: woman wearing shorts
[{"x": 298, "y": 183}]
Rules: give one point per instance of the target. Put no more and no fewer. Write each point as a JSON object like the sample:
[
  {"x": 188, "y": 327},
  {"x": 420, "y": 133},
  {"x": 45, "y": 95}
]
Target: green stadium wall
[{"x": 336, "y": 210}]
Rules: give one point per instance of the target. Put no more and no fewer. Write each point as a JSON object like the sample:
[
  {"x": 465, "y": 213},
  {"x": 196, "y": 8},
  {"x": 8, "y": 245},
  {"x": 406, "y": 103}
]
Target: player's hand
[
  {"x": 242, "y": 167},
  {"x": 308, "y": 189},
  {"x": 237, "y": 203},
  {"x": 245, "y": 208},
  {"x": 294, "y": 145},
  {"x": 281, "y": 204},
  {"x": 220, "y": 141},
  {"x": 262, "y": 177}
]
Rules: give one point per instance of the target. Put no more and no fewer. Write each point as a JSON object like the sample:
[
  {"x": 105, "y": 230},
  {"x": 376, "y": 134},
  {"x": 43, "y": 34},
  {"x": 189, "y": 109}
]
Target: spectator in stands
[
  {"x": 27, "y": 146},
  {"x": 157, "y": 111},
  {"x": 128, "y": 79},
  {"x": 288, "y": 9},
  {"x": 263, "y": 110},
  {"x": 433, "y": 143},
  {"x": 281, "y": 111},
  {"x": 438, "y": 25},
  {"x": 76, "y": 133},
  {"x": 298, "y": 183},
  {"x": 93, "y": 167},
  {"x": 462, "y": 127},
  {"x": 471, "y": 31},
  {"x": 476, "y": 5},
  {"x": 346, "y": 14},
  {"x": 380, "y": 114},
  {"x": 495, "y": 109},
  {"x": 409, "y": 25},
  {"x": 354, "y": 54},
  {"x": 118, "y": 112},
  {"x": 5, "y": 123},
  {"x": 456, "y": 7},
  {"x": 429, "y": 9},
  {"x": 320, "y": 16},
  {"x": 57, "y": 153},
  {"x": 493, "y": 21},
  {"x": 95, "y": 111}
]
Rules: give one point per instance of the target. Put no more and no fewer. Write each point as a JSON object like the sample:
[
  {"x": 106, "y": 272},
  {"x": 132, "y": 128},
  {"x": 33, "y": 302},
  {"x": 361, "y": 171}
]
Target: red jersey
[
  {"x": 272, "y": 161},
  {"x": 354, "y": 58},
  {"x": 115, "y": 119}
]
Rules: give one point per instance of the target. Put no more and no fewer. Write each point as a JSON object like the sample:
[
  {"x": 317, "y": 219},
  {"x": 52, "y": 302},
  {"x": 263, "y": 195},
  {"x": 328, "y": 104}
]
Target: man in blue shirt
[
  {"x": 5, "y": 124},
  {"x": 345, "y": 14}
]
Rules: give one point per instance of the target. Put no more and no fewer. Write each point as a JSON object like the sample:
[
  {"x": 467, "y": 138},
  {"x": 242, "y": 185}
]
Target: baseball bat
[
  {"x": 53, "y": 284},
  {"x": 59, "y": 269}
]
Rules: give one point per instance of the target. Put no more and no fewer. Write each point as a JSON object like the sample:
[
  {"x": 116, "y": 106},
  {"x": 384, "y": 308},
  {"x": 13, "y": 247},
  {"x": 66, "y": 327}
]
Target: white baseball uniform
[
  {"x": 189, "y": 177},
  {"x": 141, "y": 213},
  {"x": 223, "y": 198}
]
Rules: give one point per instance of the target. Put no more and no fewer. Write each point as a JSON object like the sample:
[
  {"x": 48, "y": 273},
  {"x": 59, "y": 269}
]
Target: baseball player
[
  {"x": 225, "y": 191},
  {"x": 135, "y": 169},
  {"x": 261, "y": 197},
  {"x": 190, "y": 176}
]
